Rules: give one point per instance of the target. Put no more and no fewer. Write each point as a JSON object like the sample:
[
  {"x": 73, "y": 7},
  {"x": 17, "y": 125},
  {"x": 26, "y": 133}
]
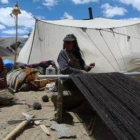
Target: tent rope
[
  {"x": 119, "y": 33},
  {"x": 100, "y": 51},
  {"x": 119, "y": 49},
  {"x": 110, "y": 49}
]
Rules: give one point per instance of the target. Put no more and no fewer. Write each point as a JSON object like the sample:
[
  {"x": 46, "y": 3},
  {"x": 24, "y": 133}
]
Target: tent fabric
[
  {"x": 98, "y": 23},
  {"x": 112, "y": 44}
]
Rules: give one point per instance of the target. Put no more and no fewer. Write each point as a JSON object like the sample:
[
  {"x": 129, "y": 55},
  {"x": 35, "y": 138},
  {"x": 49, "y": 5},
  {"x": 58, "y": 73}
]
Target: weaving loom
[{"x": 116, "y": 99}]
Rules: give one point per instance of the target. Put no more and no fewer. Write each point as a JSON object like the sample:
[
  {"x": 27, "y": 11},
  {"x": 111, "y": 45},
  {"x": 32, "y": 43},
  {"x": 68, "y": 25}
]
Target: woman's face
[{"x": 69, "y": 45}]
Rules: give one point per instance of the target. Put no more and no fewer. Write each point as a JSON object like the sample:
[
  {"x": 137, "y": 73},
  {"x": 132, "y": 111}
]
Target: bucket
[{"x": 8, "y": 64}]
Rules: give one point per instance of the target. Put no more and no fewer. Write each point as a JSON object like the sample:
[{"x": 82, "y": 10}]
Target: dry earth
[{"x": 33, "y": 132}]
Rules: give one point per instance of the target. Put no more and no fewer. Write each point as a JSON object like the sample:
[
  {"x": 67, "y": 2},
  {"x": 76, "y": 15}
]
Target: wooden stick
[
  {"x": 59, "y": 113},
  {"x": 17, "y": 130},
  {"x": 37, "y": 122},
  {"x": 45, "y": 129},
  {"x": 26, "y": 115},
  {"x": 93, "y": 125}
]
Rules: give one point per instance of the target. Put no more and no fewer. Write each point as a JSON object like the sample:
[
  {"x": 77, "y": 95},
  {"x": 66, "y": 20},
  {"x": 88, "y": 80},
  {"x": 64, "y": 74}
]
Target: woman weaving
[
  {"x": 71, "y": 62},
  {"x": 70, "y": 58}
]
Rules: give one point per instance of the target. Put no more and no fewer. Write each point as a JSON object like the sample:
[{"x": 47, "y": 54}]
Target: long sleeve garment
[
  {"x": 1, "y": 64},
  {"x": 68, "y": 63}
]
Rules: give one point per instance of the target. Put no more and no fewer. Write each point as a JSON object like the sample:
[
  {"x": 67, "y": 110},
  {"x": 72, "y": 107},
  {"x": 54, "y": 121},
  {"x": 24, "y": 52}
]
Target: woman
[
  {"x": 70, "y": 58},
  {"x": 71, "y": 62}
]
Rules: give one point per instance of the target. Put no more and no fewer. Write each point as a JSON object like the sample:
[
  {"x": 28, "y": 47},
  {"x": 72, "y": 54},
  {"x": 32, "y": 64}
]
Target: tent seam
[{"x": 32, "y": 42}]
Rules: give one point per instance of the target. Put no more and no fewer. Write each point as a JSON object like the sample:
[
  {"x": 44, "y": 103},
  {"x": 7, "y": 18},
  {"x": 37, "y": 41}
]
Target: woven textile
[{"x": 116, "y": 99}]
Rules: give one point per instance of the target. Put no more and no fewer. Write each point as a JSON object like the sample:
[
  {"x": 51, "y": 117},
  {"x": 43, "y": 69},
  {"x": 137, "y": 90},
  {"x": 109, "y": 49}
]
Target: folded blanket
[{"x": 44, "y": 64}]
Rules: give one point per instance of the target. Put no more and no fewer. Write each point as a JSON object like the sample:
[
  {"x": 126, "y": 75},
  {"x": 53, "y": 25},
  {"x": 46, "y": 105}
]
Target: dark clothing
[
  {"x": 69, "y": 64},
  {"x": 3, "y": 83},
  {"x": 1, "y": 64}
]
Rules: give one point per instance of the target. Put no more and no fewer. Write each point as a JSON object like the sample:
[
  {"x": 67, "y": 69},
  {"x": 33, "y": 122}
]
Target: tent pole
[
  {"x": 16, "y": 11},
  {"x": 15, "y": 58}
]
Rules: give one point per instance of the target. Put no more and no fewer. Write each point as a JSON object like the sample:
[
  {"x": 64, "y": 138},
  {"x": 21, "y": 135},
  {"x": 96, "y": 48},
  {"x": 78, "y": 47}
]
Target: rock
[
  {"x": 6, "y": 97},
  {"x": 45, "y": 98},
  {"x": 63, "y": 131},
  {"x": 37, "y": 106}
]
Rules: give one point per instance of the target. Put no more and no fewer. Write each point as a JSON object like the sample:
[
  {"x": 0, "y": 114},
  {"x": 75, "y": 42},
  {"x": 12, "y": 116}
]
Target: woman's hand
[
  {"x": 92, "y": 65},
  {"x": 82, "y": 71}
]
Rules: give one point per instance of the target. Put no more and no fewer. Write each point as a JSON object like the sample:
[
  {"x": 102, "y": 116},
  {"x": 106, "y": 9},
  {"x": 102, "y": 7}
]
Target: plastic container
[
  {"x": 50, "y": 70},
  {"x": 8, "y": 64}
]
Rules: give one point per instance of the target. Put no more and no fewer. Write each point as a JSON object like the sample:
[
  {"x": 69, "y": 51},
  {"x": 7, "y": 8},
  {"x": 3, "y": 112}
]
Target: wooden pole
[
  {"x": 59, "y": 113},
  {"x": 45, "y": 129},
  {"x": 16, "y": 40}
]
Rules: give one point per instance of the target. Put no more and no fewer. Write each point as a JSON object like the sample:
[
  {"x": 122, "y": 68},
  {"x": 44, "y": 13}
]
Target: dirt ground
[{"x": 33, "y": 132}]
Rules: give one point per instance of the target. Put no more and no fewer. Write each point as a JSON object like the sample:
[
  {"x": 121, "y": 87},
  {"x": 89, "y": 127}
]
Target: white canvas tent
[{"x": 114, "y": 45}]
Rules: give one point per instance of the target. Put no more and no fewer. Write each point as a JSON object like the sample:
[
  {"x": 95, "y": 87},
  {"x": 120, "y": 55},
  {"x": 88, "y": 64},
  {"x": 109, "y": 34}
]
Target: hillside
[{"x": 7, "y": 45}]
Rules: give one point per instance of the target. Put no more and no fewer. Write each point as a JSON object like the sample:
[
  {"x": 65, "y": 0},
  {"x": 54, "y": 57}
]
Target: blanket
[
  {"x": 17, "y": 78},
  {"x": 26, "y": 80}
]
